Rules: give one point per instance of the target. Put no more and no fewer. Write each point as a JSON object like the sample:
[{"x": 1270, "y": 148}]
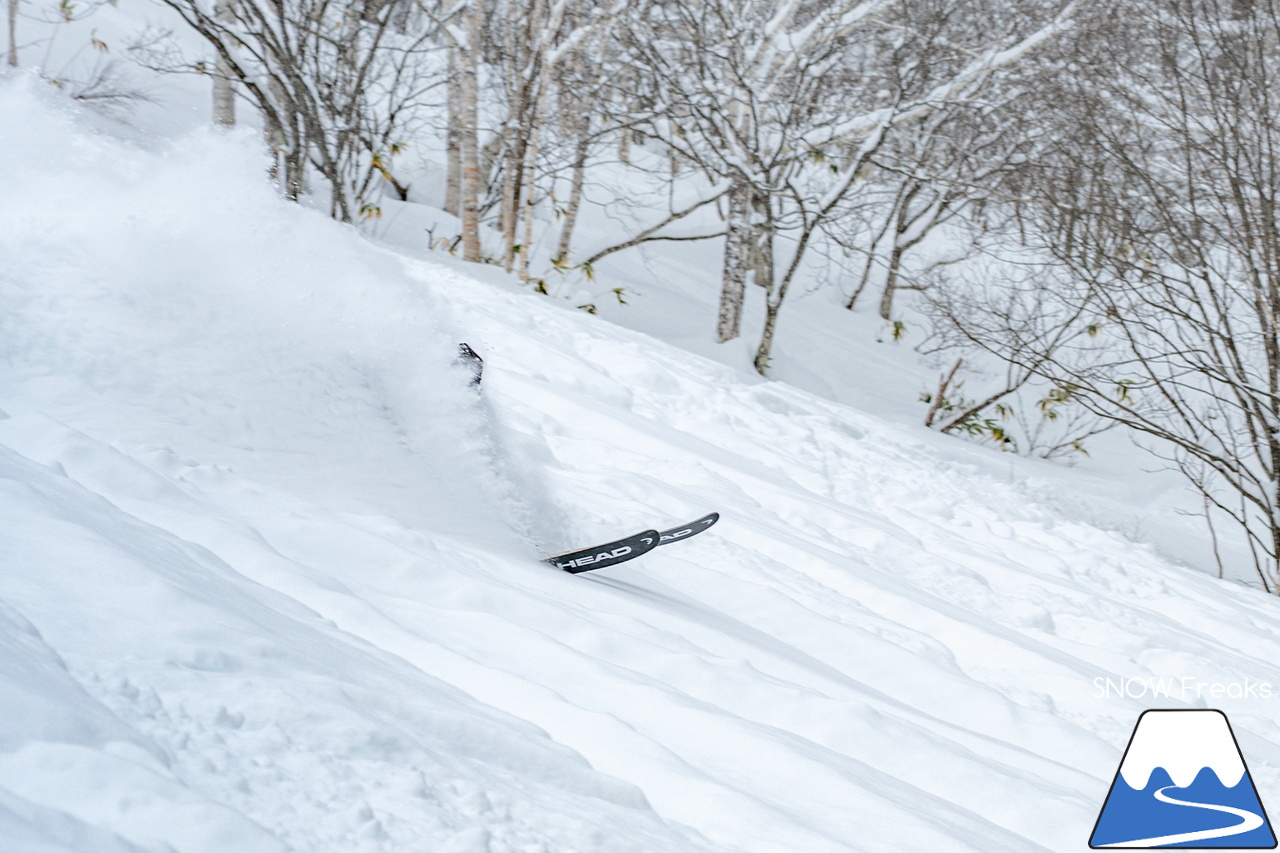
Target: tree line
[{"x": 796, "y": 122}]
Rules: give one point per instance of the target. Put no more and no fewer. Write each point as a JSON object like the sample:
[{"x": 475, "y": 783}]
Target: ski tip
[
  {"x": 693, "y": 528},
  {"x": 471, "y": 360}
]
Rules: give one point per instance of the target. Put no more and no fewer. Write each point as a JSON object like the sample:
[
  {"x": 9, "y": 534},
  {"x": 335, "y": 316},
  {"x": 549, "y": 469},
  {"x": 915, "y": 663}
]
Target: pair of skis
[{"x": 628, "y": 548}]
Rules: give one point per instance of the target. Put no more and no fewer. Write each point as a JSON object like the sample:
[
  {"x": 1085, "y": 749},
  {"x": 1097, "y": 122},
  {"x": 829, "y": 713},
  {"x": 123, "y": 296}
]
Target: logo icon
[{"x": 1183, "y": 783}]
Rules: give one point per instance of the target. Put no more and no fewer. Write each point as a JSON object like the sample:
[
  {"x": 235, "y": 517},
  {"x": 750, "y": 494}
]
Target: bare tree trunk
[
  {"x": 529, "y": 173},
  {"x": 279, "y": 140},
  {"x": 773, "y": 301},
  {"x": 544, "y": 63},
  {"x": 873, "y": 254},
  {"x": 526, "y": 243},
  {"x": 737, "y": 251},
  {"x": 512, "y": 173},
  {"x": 575, "y": 193},
  {"x": 510, "y": 197},
  {"x": 574, "y": 119},
  {"x": 774, "y": 294},
  {"x": 764, "y": 353},
  {"x": 624, "y": 147},
  {"x": 224, "y": 96},
  {"x": 891, "y": 282},
  {"x": 908, "y": 232},
  {"x": 865, "y": 277},
  {"x": 489, "y": 153},
  {"x": 294, "y": 164},
  {"x": 940, "y": 397},
  {"x": 513, "y": 147},
  {"x": 13, "y": 32},
  {"x": 761, "y": 246},
  {"x": 529, "y": 162},
  {"x": 274, "y": 137},
  {"x": 468, "y": 143},
  {"x": 453, "y": 135}
]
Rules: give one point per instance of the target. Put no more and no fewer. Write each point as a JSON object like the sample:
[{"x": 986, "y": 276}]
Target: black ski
[
  {"x": 471, "y": 360},
  {"x": 608, "y": 554},
  {"x": 621, "y": 550},
  {"x": 684, "y": 531}
]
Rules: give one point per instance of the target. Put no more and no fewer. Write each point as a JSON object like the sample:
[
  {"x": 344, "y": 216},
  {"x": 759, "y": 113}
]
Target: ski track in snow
[{"x": 271, "y": 576}]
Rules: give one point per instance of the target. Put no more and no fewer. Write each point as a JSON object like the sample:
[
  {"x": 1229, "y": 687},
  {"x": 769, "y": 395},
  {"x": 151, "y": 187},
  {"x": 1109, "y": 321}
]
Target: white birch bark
[
  {"x": 510, "y": 196},
  {"x": 13, "y": 33},
  {"x": 518, "y": 52},
  {"x": 542, "y": 94},
  {"x": 575, "y": 119},
  {"x": 468, "y": 143},
  {"x": 737, "y": 251},
  {"x": 575, "y": 193},
  {"x": 540, "y": 59},
  {"x": 453, "y": 135},
  {"x": 529, "y": 173},
  {"x": 224, "y": 96}
]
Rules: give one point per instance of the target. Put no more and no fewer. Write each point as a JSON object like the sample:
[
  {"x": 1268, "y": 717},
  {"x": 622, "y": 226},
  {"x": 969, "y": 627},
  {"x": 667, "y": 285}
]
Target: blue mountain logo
[{"x": 1183, "y": 783}]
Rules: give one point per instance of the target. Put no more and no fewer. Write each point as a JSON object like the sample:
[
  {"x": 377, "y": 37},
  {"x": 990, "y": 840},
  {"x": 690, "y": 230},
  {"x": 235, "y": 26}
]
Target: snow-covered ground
[{"x": 269, "y": 571}]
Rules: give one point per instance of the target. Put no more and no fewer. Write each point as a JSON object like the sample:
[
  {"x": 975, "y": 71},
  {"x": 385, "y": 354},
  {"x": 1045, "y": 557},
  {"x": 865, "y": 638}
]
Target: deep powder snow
[{"x": 269, "y": 571}]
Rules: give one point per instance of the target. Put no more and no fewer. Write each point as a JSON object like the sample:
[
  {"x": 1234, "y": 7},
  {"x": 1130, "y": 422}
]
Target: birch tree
[
  {"x": 789, "y": 102},
  {"x": 579, "y": 90},
  {"x": 463, "y": 27},
  {"x": 224, "y": 95},
  {"x": 933, "y": 169},
  {"x": 1158, "y": 211},
  {"x": 333, "y": 82},
  {"x": 535, "y": 45},
  {"x": 13, "y": 32}
]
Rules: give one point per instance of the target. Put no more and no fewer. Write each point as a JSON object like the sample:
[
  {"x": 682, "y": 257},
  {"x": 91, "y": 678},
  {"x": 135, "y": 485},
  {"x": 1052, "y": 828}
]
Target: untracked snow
[{"x": 270, "y": 578}]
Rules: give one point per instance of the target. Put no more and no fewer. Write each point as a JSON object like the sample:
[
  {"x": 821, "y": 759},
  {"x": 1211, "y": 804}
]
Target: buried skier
[{"x": 608, "y": 553}]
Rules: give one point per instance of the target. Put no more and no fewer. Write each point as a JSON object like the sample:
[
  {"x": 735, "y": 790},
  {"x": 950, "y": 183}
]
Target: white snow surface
[
  {"x": 1183, "y": 743},
  {"x": 269, "y": 574}
]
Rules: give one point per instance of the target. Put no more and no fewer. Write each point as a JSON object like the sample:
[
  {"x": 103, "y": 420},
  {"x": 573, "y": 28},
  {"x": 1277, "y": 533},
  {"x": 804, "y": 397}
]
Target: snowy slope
[{"x": 270, "y": 575}]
